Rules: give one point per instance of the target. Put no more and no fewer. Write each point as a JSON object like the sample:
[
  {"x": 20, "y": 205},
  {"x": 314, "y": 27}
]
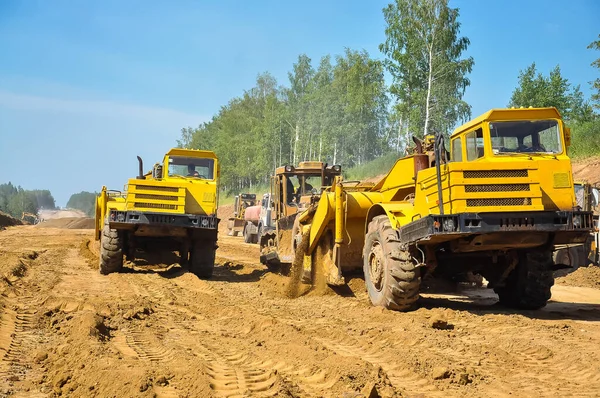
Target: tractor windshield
[
  {"x": 526, "y": 136},
  {"x": 306, "y": 184},
  {"x": 191, "y": 167}
]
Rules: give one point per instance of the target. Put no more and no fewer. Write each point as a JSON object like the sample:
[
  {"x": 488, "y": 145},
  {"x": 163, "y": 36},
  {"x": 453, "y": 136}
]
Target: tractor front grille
[
  {"x": 163, "y": 206},
  {"x": 495, "y": 173},
  {"x": 497, "y": 202},
  {"x": 497, "y": 188},
  {"x": 156, "y": 188},
  {"x": 154, "y": 197}
]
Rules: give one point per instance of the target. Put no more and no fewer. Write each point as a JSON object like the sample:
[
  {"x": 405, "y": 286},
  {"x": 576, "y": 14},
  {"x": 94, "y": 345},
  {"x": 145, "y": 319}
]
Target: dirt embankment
[
  {"x": 587, "y": 170},
  {"x": 224, "y": 213},
  {"x": 582, "y": 277},
  {"x": 68, "y": 223},
  {"x": 6, "y": 220},
  {"x": 60, "y": 213}
]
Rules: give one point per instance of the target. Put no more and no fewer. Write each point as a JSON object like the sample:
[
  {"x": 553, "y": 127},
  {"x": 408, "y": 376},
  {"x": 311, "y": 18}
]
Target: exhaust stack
[{"x": 141, "y": 175}]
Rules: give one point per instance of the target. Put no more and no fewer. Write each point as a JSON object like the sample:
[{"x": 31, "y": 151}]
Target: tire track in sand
[
  {"x": 16, "y": 337},
  {"x": 401, "y": 377}
]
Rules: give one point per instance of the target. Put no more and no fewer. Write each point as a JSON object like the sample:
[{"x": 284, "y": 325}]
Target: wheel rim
[{"x": 376, "y": 266}]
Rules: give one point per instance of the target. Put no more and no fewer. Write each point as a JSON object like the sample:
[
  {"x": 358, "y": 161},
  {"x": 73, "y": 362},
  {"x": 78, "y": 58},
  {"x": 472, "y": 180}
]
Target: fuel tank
[{"x": 252, "y": 213}]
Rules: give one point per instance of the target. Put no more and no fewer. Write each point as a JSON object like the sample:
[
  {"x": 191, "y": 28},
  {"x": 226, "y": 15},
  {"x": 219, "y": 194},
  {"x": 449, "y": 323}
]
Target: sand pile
[
  {"x": 8, "y": 220},
  {"x": 582, "y": 277},
  {"x": 68, "y": 223},
  {"x": 224, "y": 213}
]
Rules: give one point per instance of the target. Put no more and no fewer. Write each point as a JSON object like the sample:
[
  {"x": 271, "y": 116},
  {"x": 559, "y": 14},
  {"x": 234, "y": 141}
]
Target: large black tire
[
  {"x": 391, "y": 277},
  {"x": 202, "y": 258},
  {"x": 528, "y": 285},
  {"x": 111, "y": 251},
  {"x": 247, "y": 235}
]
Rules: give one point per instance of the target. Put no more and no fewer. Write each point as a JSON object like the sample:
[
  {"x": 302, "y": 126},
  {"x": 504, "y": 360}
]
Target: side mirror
[{"x": 567, "y": 137}]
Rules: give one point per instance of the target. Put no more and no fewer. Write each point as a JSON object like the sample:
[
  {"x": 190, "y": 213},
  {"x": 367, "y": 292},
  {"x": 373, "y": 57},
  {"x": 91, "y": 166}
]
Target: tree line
[
  {"x": 15, "y": 200},
  {"x": 339, "y": 109},
  {"x": 84, "y": 201},
  {"x": 583, "y": 115}
]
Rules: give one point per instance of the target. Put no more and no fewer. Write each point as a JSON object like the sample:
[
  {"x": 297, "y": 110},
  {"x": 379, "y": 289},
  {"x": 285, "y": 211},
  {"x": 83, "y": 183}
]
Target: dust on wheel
[
  {"x": 528, "y": 285},
  {"x": 111, "y": 250},
  {"x": 391, "y": 277},
  {"x": 202, "y": 258}
]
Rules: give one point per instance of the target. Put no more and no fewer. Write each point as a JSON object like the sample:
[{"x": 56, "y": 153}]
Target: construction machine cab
[
  {"x": 242, "y": 202},
  {"x": 508, "y": 134},
  {"x": 294, "y": 188}
]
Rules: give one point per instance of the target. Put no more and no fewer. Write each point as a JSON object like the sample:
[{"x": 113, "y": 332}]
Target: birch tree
[
  {"x": 423, "y": 52},
  {"x": 595, "y": 45}
]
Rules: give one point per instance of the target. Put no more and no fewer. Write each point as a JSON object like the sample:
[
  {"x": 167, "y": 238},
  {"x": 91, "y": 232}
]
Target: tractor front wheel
[
  {"x": 111, "y": 250},
  {"x": 202, "y": 258},
  {"x": 391, "y": 277}
]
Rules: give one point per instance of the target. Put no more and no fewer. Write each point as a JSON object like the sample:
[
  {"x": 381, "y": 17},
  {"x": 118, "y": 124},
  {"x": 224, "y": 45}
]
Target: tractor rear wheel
[
  {"x": 391, "y": 277},
  {"x": 202, "y": 258},
  {"x": 111, "y": 250},
  {"x": 528, "y": 285}
]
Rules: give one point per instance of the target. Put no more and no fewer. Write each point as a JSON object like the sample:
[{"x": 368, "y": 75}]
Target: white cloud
[
  {"x": 22, "y": 102},
  {"x": 75, "y": 144}
]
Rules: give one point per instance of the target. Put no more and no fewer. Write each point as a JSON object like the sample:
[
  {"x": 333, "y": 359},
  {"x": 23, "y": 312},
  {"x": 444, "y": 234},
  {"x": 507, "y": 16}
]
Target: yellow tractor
[
  {"x": 171, "y": 208},
  {"x": 235, "y": 224},
  {"x": 30, "y": 218},
  {"x": 496, "y": 204},
  {"x": 293, "y": 190}
]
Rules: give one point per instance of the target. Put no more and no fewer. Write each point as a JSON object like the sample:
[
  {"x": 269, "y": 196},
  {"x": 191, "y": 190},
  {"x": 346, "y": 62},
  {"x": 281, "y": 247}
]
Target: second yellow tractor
[{"x": 495, "y": 204}]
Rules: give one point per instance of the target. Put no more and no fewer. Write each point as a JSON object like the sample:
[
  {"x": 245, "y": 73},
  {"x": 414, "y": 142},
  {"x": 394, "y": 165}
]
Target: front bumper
[
  {"x": 128, "y": 218},
  {"x": 447, "y": 227}
]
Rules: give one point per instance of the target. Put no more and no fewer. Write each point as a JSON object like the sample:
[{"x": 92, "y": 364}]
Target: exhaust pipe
[
  {"x": 141, "y": 175},
  {"x": 437, "y": 147}
]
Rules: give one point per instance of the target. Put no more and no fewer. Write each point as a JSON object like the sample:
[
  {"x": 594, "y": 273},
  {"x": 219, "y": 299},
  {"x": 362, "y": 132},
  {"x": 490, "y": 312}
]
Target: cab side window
[
  {"x": 457, "y": 150},
  {"x": 474, "y": 144}
]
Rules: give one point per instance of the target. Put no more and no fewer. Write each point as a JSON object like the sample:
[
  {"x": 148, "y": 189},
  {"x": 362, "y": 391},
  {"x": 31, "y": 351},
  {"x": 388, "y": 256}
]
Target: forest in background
[
  {"x": 15, "y": 200},
  {"x": 340, "y": 110}
]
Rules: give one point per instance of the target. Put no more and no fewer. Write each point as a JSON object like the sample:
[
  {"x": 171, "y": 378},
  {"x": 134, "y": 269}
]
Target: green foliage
[
  {"x": 336, "y": 113},
  {"x": 84, "y": 201},
  {"x": 585, "y": 139},
  {"x": 423, "y": 51},
  {"x": 537, "y": 90},
  {"x": 15, "y": 200},
  {"x": 373, "y": 168},
  {"x": 229, "y": 198},
  {"x": 595, "y": 45}
]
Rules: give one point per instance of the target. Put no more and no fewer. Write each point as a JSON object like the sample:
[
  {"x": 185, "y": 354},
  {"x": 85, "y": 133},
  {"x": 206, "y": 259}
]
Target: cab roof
[
  {"x": 509, "y": 114},
  {"x": 194, "y": 153}
]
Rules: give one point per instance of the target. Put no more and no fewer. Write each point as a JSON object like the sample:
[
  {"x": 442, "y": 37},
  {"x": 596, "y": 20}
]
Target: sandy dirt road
[{"x": 67, "y": 330}]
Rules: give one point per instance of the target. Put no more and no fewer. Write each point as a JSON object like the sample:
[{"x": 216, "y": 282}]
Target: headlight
[
  {"x": 448, "y": 225},
  {"x": 577, "y": 221},
  {"x": 289, "y": 168},
  {"x": 337, "y": 168},
  {"x": 204, "y": 222}
]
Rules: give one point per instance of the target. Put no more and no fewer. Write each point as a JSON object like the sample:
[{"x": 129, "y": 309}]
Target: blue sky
[{"x": 86, "y": 86}]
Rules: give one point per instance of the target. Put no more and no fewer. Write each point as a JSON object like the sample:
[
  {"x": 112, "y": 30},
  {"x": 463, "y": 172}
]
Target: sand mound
[
  {"x": 587, "y": 169},
  {"x": 8, "y": 220},
  {"x": 582, "y": 277},
  {"x": 224, "y": 213},
  {"x": 61, "y": 213},
  {"x": 68, "y": 223}
]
